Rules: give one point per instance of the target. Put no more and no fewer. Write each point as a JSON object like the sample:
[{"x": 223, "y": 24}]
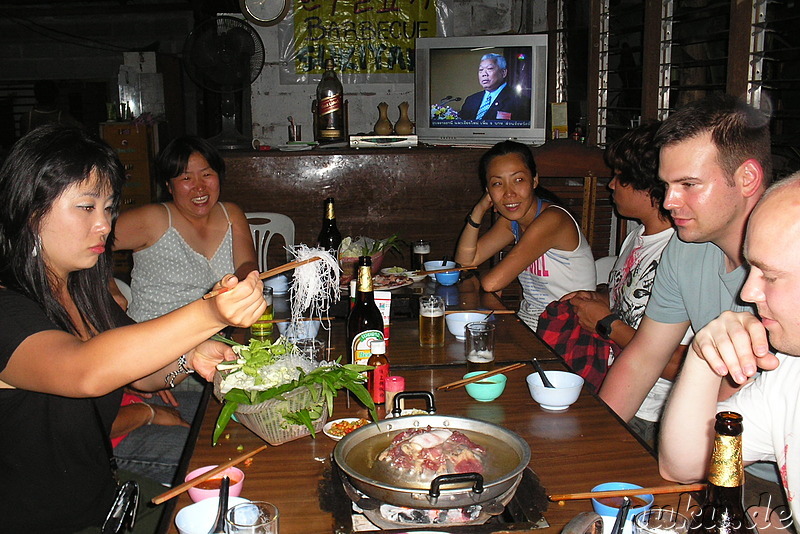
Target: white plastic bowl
[
  {"x": 436, "y": 265},
  {"x": 198, "y": 518},
  {"x": 279, "y": 284},
  {"x": 300, "y": 330},
  {"x": 567, "y": 388},
  {"x": 457, "y": 321}
]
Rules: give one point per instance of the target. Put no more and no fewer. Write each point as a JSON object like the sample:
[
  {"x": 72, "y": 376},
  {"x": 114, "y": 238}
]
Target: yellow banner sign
[{"x": 362, "y": 36}]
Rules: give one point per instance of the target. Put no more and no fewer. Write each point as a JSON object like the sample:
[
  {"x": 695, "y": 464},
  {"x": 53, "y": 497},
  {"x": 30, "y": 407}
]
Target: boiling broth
[{"x": 500, "y": 458}]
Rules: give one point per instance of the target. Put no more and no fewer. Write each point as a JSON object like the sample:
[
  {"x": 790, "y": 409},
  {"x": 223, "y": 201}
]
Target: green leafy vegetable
[{"x": 330, "y": 377}]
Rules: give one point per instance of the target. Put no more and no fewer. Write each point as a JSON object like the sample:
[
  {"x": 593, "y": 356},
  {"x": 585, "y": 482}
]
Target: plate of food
[
  {"x": 392, "y": 281},
  {"x": 339, "y": 428},
  {"x": 388, "y": 271}
]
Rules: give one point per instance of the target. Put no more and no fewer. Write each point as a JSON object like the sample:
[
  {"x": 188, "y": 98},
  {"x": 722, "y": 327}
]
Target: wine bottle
[
  {"x": 330, "y": 107},
  {"x": 329, "y": 237},
  {"x": 376, "y": 382},
  {"x": 365, "y": 322},
  {"x": 723, "y": 512}
]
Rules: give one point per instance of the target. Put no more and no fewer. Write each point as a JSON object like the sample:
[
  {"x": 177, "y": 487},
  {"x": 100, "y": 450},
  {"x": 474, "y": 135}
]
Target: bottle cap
[
  {"x": 377, "y": 346},
  {"x": 395, "y": 383}
]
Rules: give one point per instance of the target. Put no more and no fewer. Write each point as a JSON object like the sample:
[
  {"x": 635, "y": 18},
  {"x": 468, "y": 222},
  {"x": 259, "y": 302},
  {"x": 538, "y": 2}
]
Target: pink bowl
[{"x": 198, "y": 494}]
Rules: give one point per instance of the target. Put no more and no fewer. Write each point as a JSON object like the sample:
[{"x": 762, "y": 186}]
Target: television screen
[{"x": 480, "y": 90}]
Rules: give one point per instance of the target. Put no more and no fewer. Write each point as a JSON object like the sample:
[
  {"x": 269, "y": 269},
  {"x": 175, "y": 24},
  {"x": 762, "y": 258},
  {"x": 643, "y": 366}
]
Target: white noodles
[{"x": 315, "y": 285}]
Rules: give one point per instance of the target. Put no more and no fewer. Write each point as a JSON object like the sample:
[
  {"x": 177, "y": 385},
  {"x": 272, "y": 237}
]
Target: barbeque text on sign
[{"x": 362, "y": 36}]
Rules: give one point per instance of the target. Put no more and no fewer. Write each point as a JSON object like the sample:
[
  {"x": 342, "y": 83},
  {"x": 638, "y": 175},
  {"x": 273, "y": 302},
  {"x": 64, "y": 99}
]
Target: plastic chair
[
  {"x": 264, "y": 226},
  {"x": 603, "y": 268}
]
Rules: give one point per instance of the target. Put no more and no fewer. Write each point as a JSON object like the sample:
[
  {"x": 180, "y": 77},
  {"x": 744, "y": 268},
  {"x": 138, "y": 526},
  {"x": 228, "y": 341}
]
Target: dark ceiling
[{"x": 33, "y": 8}]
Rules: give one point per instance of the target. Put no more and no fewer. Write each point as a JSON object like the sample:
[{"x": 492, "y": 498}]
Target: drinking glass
[
  {"x": 263, "y": 327},
  {"x": 431, "y": 321},
  {"x": 479, "y": 346},
  {"x": 660, "y": 521},
  {"x": 311, "y": 349},
  {"x": 256, "y": 517},
  {"x": 420, "y": 251}
]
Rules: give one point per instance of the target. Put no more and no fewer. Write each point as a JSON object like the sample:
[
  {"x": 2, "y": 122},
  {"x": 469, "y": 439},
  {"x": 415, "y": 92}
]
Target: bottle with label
[
  {"x": 365, "y": 322},
  {"x": 723, "y": 510},
  {"x": 330, "y": 107},
  {"x": 329, "y": 237},
  {"x": 376, "y": 383}
]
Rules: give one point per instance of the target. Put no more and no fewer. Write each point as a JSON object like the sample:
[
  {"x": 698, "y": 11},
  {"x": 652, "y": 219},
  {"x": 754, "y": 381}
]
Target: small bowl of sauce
[
  {"x": 607, "y": 507},
  {"x": 210, "y": 488}
]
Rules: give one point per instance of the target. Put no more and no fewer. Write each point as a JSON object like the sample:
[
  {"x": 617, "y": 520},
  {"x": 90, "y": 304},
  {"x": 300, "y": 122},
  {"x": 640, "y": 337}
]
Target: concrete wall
[{"x": 272, "y": 102}]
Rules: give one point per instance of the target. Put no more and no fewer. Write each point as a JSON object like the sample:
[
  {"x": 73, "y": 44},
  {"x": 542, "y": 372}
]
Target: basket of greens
[{"x": 278, "y": 394}]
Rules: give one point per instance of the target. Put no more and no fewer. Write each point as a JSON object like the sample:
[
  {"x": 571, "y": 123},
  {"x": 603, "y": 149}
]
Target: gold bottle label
[
  {"x": 365, "y": 279},
  {"x": 329, "y": 211},
  {"x": 726, "y": 469}
]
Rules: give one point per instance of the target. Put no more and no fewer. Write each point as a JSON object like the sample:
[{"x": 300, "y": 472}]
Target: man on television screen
[{"x": 497, "y": 101}]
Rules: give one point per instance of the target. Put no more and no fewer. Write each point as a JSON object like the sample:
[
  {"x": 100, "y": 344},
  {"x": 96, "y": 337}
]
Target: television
[{"x": 453, "y": 76}]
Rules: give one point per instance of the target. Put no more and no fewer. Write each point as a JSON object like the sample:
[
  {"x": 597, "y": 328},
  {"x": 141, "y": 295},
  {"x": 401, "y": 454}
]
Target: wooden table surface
[{"x": 571, "y": 451}]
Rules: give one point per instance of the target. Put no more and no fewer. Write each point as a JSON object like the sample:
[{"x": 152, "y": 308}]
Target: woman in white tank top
[
  {"x": 550, "y": 256},
  {"x": 182, "y": 247}
]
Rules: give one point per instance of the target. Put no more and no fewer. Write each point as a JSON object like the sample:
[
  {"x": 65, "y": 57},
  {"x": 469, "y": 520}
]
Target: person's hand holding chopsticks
[{"x": 239, "y": 304}]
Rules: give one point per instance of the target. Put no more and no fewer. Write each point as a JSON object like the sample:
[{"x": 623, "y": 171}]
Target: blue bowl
[
  {"x": 608, "y": 510},
  {"x": 448, "y": 278},
  {"x": 486, "y": 392}
]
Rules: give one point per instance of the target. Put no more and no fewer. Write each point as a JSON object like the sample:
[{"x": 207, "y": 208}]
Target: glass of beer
[
  {"x": 421, "y": 249},
  {"x": 263, "y": 327},
  {"x": 479, "y": 346},
  {"x": 431, "y": 321}
]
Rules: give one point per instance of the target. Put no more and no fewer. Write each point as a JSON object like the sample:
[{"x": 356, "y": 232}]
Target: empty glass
[
  {"x": 312, "y": 349},
  {"x": 256, "y": 517}
]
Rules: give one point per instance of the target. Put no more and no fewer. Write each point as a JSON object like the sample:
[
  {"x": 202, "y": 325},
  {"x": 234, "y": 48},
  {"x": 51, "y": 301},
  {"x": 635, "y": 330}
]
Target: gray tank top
[{"x": 170, "y": 274}]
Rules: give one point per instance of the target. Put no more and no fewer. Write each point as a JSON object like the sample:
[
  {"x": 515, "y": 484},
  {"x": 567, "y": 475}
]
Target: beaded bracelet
[{"x": 181, "y": 370}]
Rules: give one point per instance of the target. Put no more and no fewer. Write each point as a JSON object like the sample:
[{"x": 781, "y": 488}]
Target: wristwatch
[{"x": 603, "y": 326}]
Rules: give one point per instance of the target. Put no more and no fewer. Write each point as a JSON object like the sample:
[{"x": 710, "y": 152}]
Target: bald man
[{"x": 738, "y": 344}]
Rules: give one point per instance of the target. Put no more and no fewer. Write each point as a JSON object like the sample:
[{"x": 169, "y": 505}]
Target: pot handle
[
  {"x": 456, "y": 478},
  {"x": 430, "y": 406}
]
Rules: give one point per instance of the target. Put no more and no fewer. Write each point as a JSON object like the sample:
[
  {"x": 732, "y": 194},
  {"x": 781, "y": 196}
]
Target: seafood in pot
[{"x": 425, "y": 453}]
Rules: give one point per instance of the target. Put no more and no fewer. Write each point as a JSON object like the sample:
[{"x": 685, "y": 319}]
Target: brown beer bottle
[
  {"x": 723, "y": 512},
  {"x": 329, "y": 237},
  {"x": 330, "y": 107},
  {"x": 365, "y": 322}
]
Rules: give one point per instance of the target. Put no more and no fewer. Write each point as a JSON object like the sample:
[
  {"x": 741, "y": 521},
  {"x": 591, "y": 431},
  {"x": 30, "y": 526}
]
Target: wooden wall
[{"x": 418, "y": 193}]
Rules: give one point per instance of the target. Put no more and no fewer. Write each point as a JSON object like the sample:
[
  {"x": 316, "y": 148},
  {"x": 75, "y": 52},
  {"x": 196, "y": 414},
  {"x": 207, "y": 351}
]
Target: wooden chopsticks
[
  {"x": 629, "y": 492},
  {"x": 478, "y": 378},
  {"x": 454, "y": 269},
  {"x": 287, "y": 320},
  {"x": 177, "y": 490},
  {"x": 266, "y": 274},
  {"x": 485, "y": 312}
]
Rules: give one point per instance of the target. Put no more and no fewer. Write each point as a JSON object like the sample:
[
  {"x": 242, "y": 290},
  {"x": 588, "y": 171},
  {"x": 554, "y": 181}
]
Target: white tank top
[
  {"x": 554, "y": 274},
  {"x": 170, "y": 274}
]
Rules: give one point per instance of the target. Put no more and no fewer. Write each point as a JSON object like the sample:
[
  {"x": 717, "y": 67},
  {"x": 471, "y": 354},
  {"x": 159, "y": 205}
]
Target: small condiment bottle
[
  {"x": 394, "y": 385},
  {"x": 376, "y": 380}
]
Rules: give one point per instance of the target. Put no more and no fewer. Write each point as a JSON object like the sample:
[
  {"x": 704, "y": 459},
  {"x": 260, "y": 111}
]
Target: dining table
[{"x": 571, "y": 450}]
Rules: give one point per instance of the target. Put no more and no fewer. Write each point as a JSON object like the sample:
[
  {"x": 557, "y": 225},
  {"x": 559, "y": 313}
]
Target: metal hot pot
[{"x": 507, "y": 456}]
